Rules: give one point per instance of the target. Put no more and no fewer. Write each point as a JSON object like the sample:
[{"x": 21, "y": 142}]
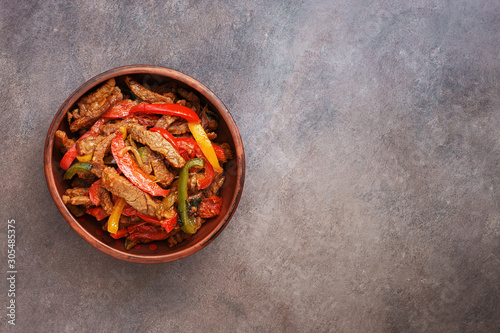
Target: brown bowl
[{"x": 88, "y": 228}]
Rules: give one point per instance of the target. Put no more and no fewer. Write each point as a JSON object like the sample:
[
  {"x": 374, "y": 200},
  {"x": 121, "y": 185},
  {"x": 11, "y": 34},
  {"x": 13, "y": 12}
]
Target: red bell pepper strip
[
  {"x": 97, "y": 212},
  {"x": 131, "y": 170},
  {"x": 70, "y": 155},
  {"x": 146, "y": 232},
  {"x": 120, "y": 234},
  {"x": 167, "y": 135},
  {"x": 167, "y": 109},
  {"x": 129, "y": 211},
  {"x": 120, "y": 110},
  {"x": 148, "y": 218},
  {"x": 210, "y": 207},
  {"x": 167, "y": 224},
  {"x": 219, "y": 152},
  {"x": 94, "y": 192},
  {"x": 208, "y": 177}
]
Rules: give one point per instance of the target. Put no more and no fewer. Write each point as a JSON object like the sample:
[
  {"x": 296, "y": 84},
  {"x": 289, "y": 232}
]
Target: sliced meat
[
  {"x": 87, "y": 145},
  {"x": 76, "y": 201},
  {"x": 213, "y": 188},
  {"x": 161, "y": 172},
  {"x": 156, "y": 142},
  {"x": 146, "y": 94},
  {"x": 63, "y": 140},
  {"x": 94, "y": 105},
  {"x": 179, "y": 127},
  {"x": 77, "y": 191},
  {"x": 100, "y": 151},
  {"x": 105, "y": 200},
  {"x": 78, "y": 182},
  {"x": 146, "y": 160},
  {"x": 176, "y": 238},
  {"x": 87, "y": 177},
  {"x": 123, "y": 188},
  {"x": 165, "y": 121},
  {"x": 189, "y": 95},
  {"x": 77, "y": 211},
  {"x": 147, "y": 120},
  {"x": 208, "y": 120},
  {"x": 110, "y": 128},
  {"x": 166, "y": 89}
]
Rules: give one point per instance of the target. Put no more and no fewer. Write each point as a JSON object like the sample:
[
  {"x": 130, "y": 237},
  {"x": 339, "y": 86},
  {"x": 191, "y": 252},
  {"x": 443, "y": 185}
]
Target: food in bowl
[{"x": 143, "y": 161}]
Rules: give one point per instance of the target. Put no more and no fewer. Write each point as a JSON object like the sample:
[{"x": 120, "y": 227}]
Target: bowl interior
[{"x": 89, "y": 228}]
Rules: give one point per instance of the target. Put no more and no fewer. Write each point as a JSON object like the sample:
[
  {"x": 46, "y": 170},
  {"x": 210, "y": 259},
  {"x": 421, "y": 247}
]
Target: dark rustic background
[{"x": 371, "y": 201}]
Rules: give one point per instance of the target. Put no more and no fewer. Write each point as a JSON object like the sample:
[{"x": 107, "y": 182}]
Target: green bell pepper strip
[
  {"x": 77, "y": 167},
  {"x": 188, "y": 223}
]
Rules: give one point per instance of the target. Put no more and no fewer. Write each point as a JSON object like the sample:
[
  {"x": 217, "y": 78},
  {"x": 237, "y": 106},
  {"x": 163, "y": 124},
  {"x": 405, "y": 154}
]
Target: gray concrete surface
[{"x": 371, "y": 202}]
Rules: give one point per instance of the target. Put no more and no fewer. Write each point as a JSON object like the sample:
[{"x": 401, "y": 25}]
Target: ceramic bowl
[{"x": 89, "y": 229}]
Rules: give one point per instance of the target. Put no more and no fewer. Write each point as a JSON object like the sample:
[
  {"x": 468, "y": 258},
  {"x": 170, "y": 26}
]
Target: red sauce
[
  {"x": 137, "y": 246},
  {"x": 118, "y": 241},
  {"x": 153, "y": 247},
  {"x": 99, "y": 232}
]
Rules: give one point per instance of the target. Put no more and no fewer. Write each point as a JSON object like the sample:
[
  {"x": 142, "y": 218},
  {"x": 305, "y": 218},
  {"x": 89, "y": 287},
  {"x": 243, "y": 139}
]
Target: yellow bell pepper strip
[
  {"x": 166, "y": 109},
  {"x": 205, "y": 144},
  {"x": 114, "y": 218},
  {"x": 77, "y": 167},
  {"x": 130, "y": 169},
  {"x": 84, "y": 158},
  {"x": 189, "y": 225}
]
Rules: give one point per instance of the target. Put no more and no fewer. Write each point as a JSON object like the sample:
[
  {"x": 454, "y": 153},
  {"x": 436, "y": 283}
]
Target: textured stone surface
[{"x": 371, "y": 131}]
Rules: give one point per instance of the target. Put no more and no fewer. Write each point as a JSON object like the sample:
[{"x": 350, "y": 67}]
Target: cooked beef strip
[
  {"x": 80, "y": 200},
  {"x": 77, "y": 191},
  {"x": 188, "y": 95},
  {"x": 94, "y": 105},
  {"x": 112, "y": 127},
  {"x": 161, "y": 172},
  {"x": 87, "y": 145},
  {"x": 211, "y": 136},
  {"x": 165, "y": 121},
  {"x": 63, "y": 140},
  {"x": 213, "y": 188},
  {"x": 122, "y": 187},
  {"x": 88, "y": 177},
  {"x": 146, "y": 94},
  {"x": 146, "y": 120},
  {"x": 208, "y": 122},
  {"x": 146, "y": 161},
  {"x": 105, "y": 200},
  {"x": 179, "y": 127},
  {"x": 156, "y": 142},
  {"x": 78, "y": 182},
  {"x": 102, "y": 148},
  {"x": 77, "y": 211},
  {"x": 177, "y": 237}
]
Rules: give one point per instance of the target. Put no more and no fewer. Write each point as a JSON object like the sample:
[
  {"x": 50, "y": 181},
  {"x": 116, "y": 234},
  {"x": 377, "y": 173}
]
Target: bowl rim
[{"x": 160, "y": 71}]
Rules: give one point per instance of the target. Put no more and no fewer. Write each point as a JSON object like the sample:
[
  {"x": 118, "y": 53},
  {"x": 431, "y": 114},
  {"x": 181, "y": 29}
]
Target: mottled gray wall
[{"x": 371, "y": 131}]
